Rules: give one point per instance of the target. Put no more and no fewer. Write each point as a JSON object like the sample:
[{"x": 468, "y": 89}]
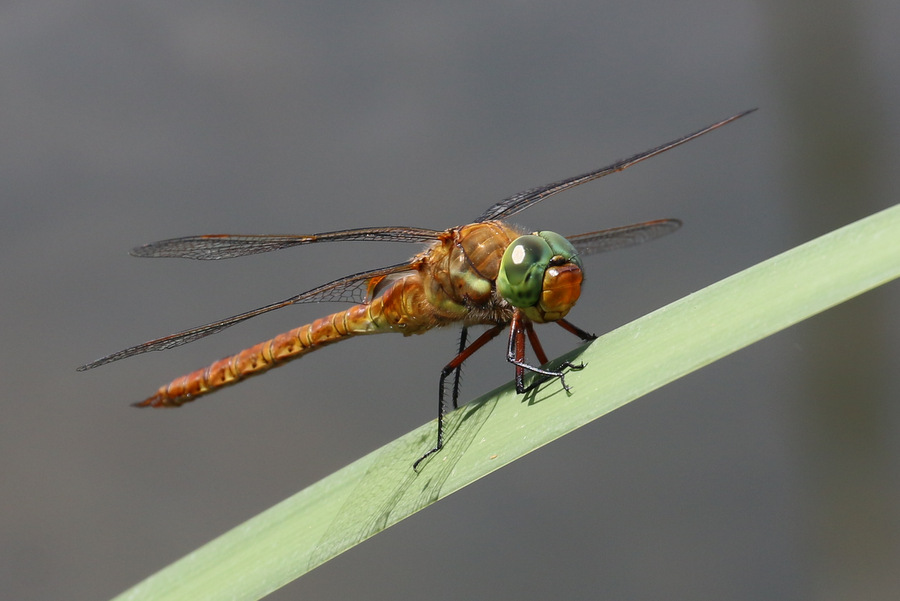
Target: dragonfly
[{"x": 486, "y": 273}]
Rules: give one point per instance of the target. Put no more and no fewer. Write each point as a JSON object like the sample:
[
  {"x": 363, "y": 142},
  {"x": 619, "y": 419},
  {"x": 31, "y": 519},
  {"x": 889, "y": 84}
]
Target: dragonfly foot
[
  {"x": 562, "y": 382},
  {"x": 544, "y": 375},
  {"x": 571, "y": 366},
  {"x": 415, "y": 465},
  {"x": 574, "y": 366}
]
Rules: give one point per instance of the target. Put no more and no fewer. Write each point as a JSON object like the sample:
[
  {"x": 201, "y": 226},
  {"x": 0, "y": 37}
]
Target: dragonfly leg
[
  {"x": 520, "y": 328},
  {"x": 535, "y": 343},
  {"x": 457, "y": 373},
  {"x": 451, "y": 368},
  {"x": 569, "y": 327},
  {"x": 586, "y": 336}
]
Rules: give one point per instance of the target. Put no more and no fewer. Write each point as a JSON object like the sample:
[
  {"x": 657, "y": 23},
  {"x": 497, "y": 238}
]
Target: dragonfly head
[{"x": 541, "y": 274}]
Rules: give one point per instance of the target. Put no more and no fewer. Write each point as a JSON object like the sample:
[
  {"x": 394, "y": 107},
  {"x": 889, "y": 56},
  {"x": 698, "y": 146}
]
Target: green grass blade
[{"x": 381, "y": 489}]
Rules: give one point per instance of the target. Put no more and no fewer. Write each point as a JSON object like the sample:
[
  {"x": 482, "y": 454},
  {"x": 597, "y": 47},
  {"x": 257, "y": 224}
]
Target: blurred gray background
[{"x": 772, "y": 474}]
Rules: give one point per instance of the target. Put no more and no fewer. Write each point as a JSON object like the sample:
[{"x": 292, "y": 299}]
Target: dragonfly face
[
  {"x": 485, "y": 273},
  {"x": 541, "y": 274}
]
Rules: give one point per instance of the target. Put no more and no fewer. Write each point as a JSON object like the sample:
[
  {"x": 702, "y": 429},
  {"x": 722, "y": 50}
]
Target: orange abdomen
[{"x": 397, "y": 310}]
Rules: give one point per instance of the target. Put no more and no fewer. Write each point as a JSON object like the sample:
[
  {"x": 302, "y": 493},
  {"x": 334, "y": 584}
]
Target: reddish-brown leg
[{"x": 453, "y": 367}]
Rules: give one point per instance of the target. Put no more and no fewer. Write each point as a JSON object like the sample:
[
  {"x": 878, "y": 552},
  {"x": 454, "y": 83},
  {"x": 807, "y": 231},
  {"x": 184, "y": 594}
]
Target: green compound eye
[
  {"x": 521, "y": 277},
  {"x": 561, "y": 248},
  {"x": 522, "y": 268}
]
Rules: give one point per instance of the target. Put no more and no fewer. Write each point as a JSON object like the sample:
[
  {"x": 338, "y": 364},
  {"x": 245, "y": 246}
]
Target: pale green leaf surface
[{"x": 381, "y": 489}]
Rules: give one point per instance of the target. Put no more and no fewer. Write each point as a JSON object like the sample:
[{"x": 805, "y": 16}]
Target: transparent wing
[
  {"x": 352, "y": 288},
  {"x": 227, "y": 246},
  {"x": 521, "y": 201},
  {"x": 622, "y": 237}
]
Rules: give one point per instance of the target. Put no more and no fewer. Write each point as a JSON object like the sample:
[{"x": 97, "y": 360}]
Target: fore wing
[{"x": 521, "y": 201}]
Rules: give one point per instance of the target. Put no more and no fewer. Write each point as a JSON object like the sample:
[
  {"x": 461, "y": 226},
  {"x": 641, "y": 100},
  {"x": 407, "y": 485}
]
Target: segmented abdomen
[{"x": 397, "y": 310}]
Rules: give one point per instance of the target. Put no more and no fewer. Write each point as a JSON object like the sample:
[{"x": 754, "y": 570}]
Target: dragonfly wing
[
  {"x": 227, "y": 246},
  {"x": 352, "y": 288},
  {"x": 521, "y": 201},
  {"x": 622, "y": 237}
]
